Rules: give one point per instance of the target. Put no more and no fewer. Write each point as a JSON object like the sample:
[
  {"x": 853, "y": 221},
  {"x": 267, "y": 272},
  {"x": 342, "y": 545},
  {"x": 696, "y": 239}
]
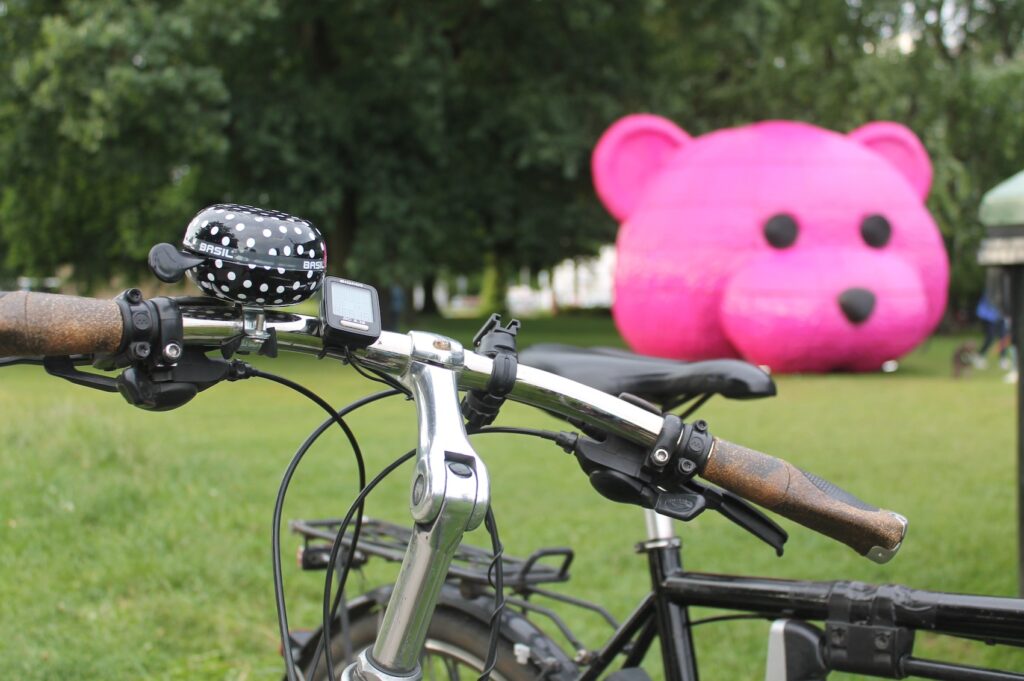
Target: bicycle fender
[{"x": 515, "y": 628}]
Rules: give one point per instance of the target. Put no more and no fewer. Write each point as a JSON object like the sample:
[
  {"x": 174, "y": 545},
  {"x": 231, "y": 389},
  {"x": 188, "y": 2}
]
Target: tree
[
  {"x": 109, "y": 111},
  {"x": 951, "y": 70},
  {"x": 959, "y": 81},
  {"x": 430, "y": 136},
  {"x": 529, "y": 87},
  {"x": 427, "y": 133}
]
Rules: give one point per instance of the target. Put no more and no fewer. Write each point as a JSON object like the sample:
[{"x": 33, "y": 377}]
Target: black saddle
[{"x": 661, "y": 381}]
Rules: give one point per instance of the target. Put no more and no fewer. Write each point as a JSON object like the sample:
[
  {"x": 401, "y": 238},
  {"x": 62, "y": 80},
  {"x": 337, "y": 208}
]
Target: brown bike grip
[
  {"x": 46, "y": 324},
  {"x": 805, "y": 498}
]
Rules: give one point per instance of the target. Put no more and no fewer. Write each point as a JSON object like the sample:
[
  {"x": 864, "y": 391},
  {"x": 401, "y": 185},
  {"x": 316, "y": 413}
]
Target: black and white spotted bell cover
[{"x": 256, "y": 256}]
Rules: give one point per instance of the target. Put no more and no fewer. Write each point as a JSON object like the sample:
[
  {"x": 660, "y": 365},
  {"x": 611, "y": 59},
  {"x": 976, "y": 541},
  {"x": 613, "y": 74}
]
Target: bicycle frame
[
  {"x": 450, "y": 491},
  {"x": 869, "y": 629}
]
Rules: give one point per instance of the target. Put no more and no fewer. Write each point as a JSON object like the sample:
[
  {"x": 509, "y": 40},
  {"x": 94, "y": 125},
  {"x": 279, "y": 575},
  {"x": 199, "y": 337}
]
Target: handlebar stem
[
  {"x": 442, "y": 435},
  {"x": 449, "y": 497}
]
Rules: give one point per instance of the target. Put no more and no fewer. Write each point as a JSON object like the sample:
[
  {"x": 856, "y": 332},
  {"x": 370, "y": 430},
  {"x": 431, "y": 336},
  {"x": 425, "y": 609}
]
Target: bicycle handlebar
[
  {"x": 48, "y": 324},
  {"x": 805, "y": 498},
  {"x": 51, "y": 324}
]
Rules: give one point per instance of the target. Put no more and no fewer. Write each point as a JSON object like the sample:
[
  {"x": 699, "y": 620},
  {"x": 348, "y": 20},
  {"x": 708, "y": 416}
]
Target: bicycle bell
[{"x": 247, "y": 255}]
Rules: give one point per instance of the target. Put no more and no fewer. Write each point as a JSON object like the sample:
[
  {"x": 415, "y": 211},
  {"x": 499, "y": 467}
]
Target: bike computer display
[{"x": 351, "y": 314}]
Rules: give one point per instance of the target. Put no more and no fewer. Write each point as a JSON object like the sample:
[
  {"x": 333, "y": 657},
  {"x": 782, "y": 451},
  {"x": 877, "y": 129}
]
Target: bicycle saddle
[{"x": 654, "y": 379}]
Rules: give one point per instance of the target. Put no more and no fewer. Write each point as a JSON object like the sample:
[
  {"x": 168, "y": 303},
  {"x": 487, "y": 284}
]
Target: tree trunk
[
  {"x": 342, "y": 237},
  {"x": 429, "y": 302},
  {"x": 494, "y": 289}
]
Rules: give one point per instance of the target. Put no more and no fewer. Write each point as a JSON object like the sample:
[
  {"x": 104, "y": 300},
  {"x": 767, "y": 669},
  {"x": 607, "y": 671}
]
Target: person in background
[
  {"x": 994, "y": 326},
  {"x": 991, "y": 311}
]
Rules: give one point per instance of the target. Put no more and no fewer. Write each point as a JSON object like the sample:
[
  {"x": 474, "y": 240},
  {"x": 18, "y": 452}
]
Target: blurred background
[
  {"x": 448, "y": 142},
  {"x": 443, "y": 148}
]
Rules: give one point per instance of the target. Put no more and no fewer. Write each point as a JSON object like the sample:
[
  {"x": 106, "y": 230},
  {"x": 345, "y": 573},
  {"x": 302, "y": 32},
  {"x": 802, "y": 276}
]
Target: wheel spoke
[{"x": 453, "y": 669}]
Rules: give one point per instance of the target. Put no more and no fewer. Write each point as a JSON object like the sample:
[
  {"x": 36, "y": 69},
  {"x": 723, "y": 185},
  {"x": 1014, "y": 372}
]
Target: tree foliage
[
  {"x": 422, "y": 136},
  {"x": 108, "y": 108},
  {"x": 951, "y": 70}
]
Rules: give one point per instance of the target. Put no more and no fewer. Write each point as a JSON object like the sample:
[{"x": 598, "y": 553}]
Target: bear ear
[
  {"x": 628, "y": 155},
  {"x": 901, "y": 147}
]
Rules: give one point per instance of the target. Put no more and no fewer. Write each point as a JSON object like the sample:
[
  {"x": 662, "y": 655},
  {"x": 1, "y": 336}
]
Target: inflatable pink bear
[{"x": 782, "y": 243}]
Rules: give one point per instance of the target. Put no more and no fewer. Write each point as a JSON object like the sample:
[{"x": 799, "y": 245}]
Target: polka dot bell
[{"x": 255, "y": 256}]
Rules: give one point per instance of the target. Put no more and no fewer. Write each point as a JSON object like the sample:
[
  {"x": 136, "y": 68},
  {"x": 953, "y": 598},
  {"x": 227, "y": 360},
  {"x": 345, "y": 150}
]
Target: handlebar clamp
[
  {"x": 686, "y": 444},
  {"x": 481, "y": 407},
  {"x": 160, "y": 373},
  {"x": 148, "y": 323},
  {"x": 693, "y": 448}
]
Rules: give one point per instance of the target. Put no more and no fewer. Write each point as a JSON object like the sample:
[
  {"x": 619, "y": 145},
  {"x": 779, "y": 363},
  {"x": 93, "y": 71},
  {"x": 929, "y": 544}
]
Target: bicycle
[{"x": 631, "y": 450}]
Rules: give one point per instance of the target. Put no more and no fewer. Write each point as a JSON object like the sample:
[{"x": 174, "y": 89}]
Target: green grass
[{"x": 136, "y": 545}]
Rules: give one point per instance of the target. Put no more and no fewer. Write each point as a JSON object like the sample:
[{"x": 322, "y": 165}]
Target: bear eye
[
  {"x": 875, "y": 230},
  {"x": 780, "y": 230}
]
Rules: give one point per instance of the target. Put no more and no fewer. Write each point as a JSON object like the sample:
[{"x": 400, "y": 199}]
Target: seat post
[
  {"x": 658, "y": 526},
  {"x": 664, "y": 558}
]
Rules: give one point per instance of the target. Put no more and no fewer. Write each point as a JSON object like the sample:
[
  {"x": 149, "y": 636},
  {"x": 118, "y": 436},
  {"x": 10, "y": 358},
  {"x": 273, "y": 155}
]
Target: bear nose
[{"x": 857, "y": 304}]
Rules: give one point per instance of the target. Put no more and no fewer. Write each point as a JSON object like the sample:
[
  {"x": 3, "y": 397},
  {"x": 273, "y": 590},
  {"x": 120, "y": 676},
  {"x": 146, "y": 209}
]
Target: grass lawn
[{"x": 136, "y": 545}]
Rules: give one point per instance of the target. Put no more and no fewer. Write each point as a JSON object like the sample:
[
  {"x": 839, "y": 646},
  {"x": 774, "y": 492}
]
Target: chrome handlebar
[
  {"x": 394, "y": 353},
  {"x": 450, "y": 491},
  {"x": 767, "y": 481}
]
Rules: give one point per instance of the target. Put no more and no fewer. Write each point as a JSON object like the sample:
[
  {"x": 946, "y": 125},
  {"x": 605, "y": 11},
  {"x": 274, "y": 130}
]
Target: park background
[{"x": 427, "y": 141}]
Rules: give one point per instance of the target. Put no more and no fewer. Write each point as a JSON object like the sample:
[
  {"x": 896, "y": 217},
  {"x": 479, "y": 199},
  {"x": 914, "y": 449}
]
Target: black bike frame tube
[
  {"x": 641, "y": 644},
  {"x": 672, "y": 616},
  {"x": 954, "y": 672},
  {"x": 620, "y": 639},
  {"x": 986, "y": 618}
]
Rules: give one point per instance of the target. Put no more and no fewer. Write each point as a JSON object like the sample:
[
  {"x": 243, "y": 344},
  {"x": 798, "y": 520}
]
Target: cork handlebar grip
[
  {"x": 46, "y": 324},
  {"x": 806, "y": 499}
]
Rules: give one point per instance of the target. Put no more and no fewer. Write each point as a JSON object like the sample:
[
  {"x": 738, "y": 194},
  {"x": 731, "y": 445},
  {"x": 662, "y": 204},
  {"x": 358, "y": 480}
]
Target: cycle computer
[{"x": 351, "y": 314}]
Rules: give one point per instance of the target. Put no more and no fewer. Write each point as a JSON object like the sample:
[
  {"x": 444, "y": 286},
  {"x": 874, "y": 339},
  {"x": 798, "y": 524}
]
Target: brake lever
[
  {"x": 160, "y": 373},
  {"x": 743, "y": 514},
  {"x": 13, "y": 361},
  {"x": 618, "y": 470},
  {"x": 64, "y": 367}
]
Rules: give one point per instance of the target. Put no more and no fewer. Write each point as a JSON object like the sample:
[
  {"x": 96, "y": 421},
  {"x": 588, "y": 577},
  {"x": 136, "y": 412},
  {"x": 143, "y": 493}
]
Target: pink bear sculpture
[{"x": 782, "y": 243}]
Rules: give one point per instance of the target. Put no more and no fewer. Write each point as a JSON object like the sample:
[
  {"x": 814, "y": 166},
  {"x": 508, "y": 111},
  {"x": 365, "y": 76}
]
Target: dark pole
[
  {"x": 1001, "y": 211},
  {"x": 1017, "y": 295}
]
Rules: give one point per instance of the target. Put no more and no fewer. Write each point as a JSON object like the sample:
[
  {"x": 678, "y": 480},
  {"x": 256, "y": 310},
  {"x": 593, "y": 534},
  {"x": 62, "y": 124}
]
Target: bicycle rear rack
[
  {"x": 381, "y": 539},
  {"x": 469, "y": 568}
]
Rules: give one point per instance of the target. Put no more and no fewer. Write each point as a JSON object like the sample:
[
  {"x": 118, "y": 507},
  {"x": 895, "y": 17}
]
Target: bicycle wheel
[{"x": 455, "y": 649}]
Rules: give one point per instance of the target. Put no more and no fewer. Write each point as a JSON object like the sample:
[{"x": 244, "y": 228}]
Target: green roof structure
[
  {"x": 1004, "y": 203},
  {"x": 1002, "y": 213}
]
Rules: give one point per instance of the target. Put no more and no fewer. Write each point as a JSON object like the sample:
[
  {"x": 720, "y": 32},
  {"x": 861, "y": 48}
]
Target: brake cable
[
  {"x": 375, "y": 375},
  {"x": 498, "y": 567},
  {"x": 328, "y": 614},
  {"x": 336, "y": 417}
]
